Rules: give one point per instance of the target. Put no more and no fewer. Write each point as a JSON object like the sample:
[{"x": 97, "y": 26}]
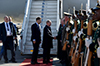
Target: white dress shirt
[{"x": 8, "y": 31}]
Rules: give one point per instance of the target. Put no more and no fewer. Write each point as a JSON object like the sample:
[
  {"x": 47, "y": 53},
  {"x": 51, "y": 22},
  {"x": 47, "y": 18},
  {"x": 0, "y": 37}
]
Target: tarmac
[{"x": 20, "y": 58}]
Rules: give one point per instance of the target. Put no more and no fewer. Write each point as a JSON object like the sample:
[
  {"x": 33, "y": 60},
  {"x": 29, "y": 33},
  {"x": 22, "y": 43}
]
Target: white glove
[
  {"x": 82, "y": 30},
  {"x": 74, "y": 38},
  {"x": 88, "y": 42},
  {"x": 67, "y": 41},
  {"x": 98, "y": 42},
  {"x": 67, "y": 29},
  {"x": 79, "y": 33},
  {"x": 73, "y": 30},
  {"x": 98, "y": 52}
]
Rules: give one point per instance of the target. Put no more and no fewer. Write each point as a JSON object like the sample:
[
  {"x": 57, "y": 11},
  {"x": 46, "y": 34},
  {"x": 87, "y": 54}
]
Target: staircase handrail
[
  {"x": 26, "y": 19},
  {"x": 58, "y": 18}
]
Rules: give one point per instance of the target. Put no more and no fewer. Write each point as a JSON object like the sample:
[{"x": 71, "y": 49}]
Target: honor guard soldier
[
  {"x": 65, "y": 39},
  {"x": 94, "y": 47}
]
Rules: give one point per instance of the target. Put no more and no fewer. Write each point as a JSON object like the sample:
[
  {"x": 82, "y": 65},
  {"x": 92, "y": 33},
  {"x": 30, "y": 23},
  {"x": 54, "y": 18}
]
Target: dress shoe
[
  {"x": 59, "y": 61},
  {"x": 37, "y": 63},
  {"x": 6, "y": 61},
  {"x": 13, "y": 61},
  {"x": 10, "y": 60},
  {"x": 32, "y": 63},
  {"x": 44, "y": 62},
  {"x": 49, "y": 62}
]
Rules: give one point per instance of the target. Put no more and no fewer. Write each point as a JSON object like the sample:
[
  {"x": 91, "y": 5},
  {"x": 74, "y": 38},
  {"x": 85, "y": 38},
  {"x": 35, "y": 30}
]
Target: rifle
[
  {"x": 89, "y": 53},
  {"x": 74, "y": 34},
  {"x": 64, "y": 47},
  {"x": 89, "y": 33},
  {"x": 80, "y": 47},
  {"x": 80, "y": 41}
]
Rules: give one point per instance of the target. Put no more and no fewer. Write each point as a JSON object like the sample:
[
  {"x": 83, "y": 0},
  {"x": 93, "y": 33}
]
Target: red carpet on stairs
[{"x": 27, "y": 62}]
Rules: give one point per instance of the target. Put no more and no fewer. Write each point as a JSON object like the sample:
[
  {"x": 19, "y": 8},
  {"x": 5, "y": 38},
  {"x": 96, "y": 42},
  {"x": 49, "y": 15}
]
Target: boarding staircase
[{"x": 46, "y": 9}]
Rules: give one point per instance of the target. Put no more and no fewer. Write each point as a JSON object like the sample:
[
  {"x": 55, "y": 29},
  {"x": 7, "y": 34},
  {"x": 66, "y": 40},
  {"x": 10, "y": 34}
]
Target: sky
[
  {"x": 13, "y": 8},
  {"x": 16, "y": 8}
]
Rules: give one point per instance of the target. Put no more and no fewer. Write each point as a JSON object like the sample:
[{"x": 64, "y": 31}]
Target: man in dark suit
[
  {"x": 15, "y": 40},
  {"x": 7, "y": 32},
  {"x": 36, "y": 39},
  {"x": 47, "y": 42},
  {"x": 59, "y": 38}
]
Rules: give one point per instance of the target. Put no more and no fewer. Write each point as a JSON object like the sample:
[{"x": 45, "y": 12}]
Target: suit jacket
[
  {"x": 3, "y": 33},
  {"x": 47, "y": 38},
  {"x": 59, "y": 36},
  {"x": 36, "y": 34}
]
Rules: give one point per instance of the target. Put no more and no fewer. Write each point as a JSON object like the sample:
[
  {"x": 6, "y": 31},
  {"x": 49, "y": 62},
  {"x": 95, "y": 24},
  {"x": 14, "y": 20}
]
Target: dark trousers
[
  {"x": 35, "y": 52},
  {"x": 65, "y": 57},
  {"x": 8, "y": 44},
  {"x": 1, "y": 52},
  {"x": 59, "y": 52},
  {"x": 46, "y": 54}
]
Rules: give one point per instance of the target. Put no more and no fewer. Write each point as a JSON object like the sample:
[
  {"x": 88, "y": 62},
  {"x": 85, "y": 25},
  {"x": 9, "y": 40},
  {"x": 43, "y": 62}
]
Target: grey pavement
[{"x": 20, "y": 59}]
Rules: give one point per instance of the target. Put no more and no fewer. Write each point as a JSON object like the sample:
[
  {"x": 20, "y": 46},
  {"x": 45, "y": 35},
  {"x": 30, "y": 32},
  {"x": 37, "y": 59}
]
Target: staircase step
[
  {"x": 53, "y": 24},
  {"x": 33, "y": 17},
  {"x": 30, "y": 46},
  {"x": 36, "y": 10},
  {"x": 52, "y": 28},
  {"x": 45, "y": 4},
  {"x": 28, "y": 52},
  {"x": 33, "y": 7},
  {"x": 27, "y": 47},
  {"x": 29, "y": 31},
  {"x": 49, "y": 15},
  {"x": 32, "y": 13},
  {"x": 43, "y": 12},
  {"x": 34, "y": 20},
  {"x": 29, "y": 42}
]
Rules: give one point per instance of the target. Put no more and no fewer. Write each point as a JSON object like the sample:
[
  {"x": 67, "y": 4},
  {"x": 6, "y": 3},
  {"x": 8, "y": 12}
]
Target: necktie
[
  {"x": 40, "y": 27},
  {"x": 7, "y": 26}
]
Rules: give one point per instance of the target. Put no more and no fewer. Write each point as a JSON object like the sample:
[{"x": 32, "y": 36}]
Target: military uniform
[
  {"x": 93, "y": 47},
  {"x": 65, "y": 57}
]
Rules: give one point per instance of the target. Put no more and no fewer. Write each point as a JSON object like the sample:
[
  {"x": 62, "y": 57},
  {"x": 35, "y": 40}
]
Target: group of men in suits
[
  {"x": 7, "y": 34},
  {"x": 36, "y": 40},
  {"x": 47, "y": 40}
]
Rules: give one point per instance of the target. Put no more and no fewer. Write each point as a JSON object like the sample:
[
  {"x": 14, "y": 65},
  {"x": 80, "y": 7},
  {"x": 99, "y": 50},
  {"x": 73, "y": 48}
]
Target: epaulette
[
  {"x": 71, "y": 32},
  {"x": 93, "y": 41}
]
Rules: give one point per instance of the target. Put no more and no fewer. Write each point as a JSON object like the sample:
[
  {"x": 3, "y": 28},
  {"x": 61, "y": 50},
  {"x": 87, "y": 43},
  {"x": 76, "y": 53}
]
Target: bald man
[{"x": 47, "y": 42}]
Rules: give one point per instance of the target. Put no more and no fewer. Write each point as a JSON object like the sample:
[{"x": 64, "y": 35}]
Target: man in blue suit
[
  {"x": 7, "y": 32},
  {"x": 36, "y": 39}
]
